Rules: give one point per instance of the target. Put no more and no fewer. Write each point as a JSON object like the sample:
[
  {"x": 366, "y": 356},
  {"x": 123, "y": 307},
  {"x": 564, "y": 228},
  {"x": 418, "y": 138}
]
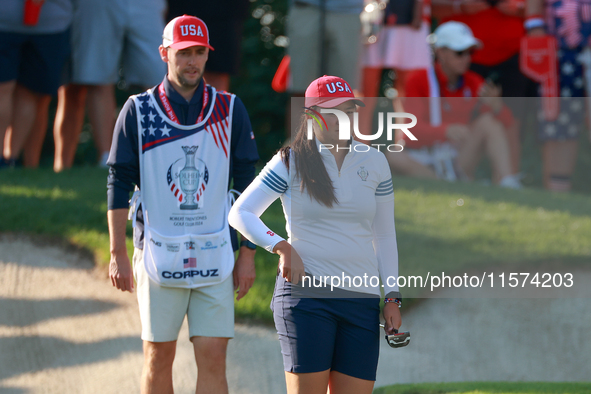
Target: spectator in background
[
  {"x": 105, "y": 35},
  {"x": 324, "y": 39},
  {"x": 400, "y": 45},
  {"x": 498, "y": 24},
  {"x": 225, "y": 21},
  {"x": 34, "y": 46},
  {"x": 570, "y": 22},
  {"x": 467, "y": 117}
]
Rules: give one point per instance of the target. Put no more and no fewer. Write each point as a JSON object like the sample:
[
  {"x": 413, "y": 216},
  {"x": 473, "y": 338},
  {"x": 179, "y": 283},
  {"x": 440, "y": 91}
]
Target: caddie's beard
[{"x": 188, "y": 84}]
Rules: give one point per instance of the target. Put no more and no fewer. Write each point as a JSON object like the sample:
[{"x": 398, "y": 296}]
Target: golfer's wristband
[
  {"x": 533, "y": 22},
  {"x": 397, "y": 301}
]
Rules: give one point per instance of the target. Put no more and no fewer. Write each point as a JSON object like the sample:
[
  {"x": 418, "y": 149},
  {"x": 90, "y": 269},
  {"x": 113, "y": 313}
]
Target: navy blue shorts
[
  {"x": 36, "y": 61},
  {"x": 316, "y": 334}
]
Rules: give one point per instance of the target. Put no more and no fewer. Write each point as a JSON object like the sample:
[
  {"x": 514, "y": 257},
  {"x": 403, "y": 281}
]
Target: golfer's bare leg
[
  {"x": 157, "y": 372},
  {"x": 101, "y": 111},
  {"x": 69, "y": 119},
  {"x": 6, "y": 96},
  {"x": 307, "y": 383},
  {"x": 340, "y": 383},
  {"x": 210, "y": 354},
  {"x": 24, "y": 111}
]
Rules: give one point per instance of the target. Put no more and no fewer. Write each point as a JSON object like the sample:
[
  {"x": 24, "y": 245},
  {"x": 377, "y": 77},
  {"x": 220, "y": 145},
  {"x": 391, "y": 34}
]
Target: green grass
[
  {"x": 71, "y": 205},
  {"x": 487, "y": 388},
  {"x": 440, "y": 226},
  {"x": 457, "y": 227}
]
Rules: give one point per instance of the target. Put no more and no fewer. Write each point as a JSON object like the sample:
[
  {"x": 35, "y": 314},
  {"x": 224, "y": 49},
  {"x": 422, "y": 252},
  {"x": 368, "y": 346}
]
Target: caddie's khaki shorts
[{"x": 209, "y": 310}]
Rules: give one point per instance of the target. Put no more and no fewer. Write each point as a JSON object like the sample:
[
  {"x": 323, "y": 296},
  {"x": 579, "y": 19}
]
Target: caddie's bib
[{"x": 184, "y": 173}]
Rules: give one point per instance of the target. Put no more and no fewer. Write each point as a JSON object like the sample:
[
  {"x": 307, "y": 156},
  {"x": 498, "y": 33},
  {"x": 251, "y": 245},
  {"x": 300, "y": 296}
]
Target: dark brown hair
[{"x": 309, "y": 166}]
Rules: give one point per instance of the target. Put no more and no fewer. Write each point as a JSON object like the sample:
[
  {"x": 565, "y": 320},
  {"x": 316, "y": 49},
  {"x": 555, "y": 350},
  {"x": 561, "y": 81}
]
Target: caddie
[{"x": 180, "y": 144}]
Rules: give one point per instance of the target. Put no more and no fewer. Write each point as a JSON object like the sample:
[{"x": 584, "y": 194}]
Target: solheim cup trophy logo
[
  {"x": 189, "y": 178},
  {"x": 188, "y": 183}
]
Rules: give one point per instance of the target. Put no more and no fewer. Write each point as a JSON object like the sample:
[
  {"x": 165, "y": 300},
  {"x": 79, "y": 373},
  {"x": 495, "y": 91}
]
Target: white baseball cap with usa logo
[{"x": 184, "y": 32}]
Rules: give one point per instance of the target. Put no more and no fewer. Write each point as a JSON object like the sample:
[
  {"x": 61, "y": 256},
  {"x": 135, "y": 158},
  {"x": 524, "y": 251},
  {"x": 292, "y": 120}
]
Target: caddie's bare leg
[
  {"x": 157, "y": 372},
  {"x": 210, "y": 354}
]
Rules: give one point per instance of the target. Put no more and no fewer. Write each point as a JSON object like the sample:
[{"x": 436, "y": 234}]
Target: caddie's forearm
[
  {"x": 245, "y": 251},
  {"x": 117, "y": 219}
]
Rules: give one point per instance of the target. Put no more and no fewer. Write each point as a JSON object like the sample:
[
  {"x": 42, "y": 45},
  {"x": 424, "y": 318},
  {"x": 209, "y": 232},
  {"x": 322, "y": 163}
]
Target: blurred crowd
[
  {"x": 78, "y": 50},
  {"x": 460, "y": 66}
]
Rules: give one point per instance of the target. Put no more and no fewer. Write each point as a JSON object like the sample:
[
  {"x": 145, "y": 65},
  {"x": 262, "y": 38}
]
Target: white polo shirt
[{"x": 332, "y": 241}]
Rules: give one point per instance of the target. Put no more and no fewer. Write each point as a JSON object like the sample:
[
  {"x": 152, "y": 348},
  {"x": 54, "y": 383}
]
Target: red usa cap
[
  {"x": 330, "y": 91},
  {"x": 184, "y": 32}
]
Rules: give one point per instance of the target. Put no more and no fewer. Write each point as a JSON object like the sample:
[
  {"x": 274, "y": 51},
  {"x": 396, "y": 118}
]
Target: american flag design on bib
[
  {"x": 156, "y": 132},
  {"x": 218, "y": 125}
]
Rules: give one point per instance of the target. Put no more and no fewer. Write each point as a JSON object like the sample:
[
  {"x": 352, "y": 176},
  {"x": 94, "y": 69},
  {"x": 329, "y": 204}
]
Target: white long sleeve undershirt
[{"x": 245, "y": 217}]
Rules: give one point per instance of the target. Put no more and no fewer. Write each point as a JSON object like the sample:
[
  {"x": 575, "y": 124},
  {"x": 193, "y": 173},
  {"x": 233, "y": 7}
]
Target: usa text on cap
[
  {"x": 184, "y": 32},
  {"x": 330, "y": 91}
]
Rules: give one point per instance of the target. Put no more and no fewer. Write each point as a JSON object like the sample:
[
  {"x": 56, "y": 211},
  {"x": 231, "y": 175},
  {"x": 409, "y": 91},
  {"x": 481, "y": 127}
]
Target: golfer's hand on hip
[{"x": 291, "y": 265}]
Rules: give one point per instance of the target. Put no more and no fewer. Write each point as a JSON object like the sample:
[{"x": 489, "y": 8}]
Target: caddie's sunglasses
[{"x": 464, "y": 52}]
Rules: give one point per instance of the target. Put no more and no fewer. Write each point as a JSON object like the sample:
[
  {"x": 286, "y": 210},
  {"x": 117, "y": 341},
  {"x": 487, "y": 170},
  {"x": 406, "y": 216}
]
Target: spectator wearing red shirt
[
  {"x": 498, "y": 24},
  {"x": 458, "y": 113}
]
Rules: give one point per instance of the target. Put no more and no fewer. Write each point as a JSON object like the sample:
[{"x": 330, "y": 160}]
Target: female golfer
[{"x": 338, "y": 202}]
